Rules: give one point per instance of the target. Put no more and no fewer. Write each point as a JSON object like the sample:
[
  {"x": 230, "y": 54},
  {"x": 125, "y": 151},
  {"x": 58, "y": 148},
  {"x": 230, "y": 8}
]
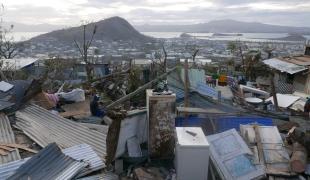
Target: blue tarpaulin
[
  {"x": 226, "y": 123},
  {"x": 221, "y": 123}
]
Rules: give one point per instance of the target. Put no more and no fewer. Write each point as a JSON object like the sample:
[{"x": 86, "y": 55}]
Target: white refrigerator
[{"x": 191, "y": 154}]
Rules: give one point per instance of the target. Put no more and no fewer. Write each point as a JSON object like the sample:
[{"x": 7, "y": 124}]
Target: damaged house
[
  {"x": 291, "y": 79},
  {"x": 291, "y": 73}
]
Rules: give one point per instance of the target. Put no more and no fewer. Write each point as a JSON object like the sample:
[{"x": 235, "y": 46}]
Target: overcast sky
[{"x": 72, "y": 12}]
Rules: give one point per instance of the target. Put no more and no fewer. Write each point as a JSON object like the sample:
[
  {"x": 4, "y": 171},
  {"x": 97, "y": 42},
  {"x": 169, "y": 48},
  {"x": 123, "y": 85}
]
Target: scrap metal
[
  {"x": 82, "y": 152},
  {"x": 45, "y": 127},
  {"x": 49, "y": 163}
]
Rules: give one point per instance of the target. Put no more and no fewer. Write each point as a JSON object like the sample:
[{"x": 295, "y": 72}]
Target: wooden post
[
  {"x": 273, "y": 91},
  {"x": 113, "y": 135},
  {"x": 186, "y": 86}
]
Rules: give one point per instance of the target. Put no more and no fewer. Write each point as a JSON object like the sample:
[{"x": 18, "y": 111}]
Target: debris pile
[{"x": 180, "y": 129}]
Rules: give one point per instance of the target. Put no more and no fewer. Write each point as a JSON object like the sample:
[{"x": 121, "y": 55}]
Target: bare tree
[
  {"x": 83, "y": 49},
  {"x": 238, "y": 48},
  {"x": 8, "y": 48}
]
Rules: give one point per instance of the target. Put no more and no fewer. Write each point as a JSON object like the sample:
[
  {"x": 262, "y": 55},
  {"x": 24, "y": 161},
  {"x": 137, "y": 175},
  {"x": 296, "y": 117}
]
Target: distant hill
[
  {"x": 111, "y": 29},
  {"x": 225, "y": 26},
  {"x": 292, "y": 37},
  {"x": 20, "y": 27}
]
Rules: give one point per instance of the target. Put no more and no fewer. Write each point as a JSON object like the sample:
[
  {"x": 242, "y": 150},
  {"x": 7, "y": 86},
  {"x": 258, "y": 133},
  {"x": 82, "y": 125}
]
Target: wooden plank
[
  {"x": 192, "y": 110},
  {"x": 7, "y": 148},
  {"x": 3, "y": 152},
  {"x": 74, "y": 114},
  {"x": 19, "y": 146}
]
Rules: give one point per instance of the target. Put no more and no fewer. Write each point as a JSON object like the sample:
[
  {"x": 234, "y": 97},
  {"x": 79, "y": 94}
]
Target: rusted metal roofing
[
  {"x": 7, "y": 136},
  {"x": 45, "y": 127},
  {"x": 302, "y": 60},
  {"x": 49, "y": 163},
  {"x": 284, "y": 66},
  {"x": 82, "y": 152}
]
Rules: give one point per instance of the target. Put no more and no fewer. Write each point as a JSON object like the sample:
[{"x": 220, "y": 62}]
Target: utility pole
[{"x": 186, "y": 88}]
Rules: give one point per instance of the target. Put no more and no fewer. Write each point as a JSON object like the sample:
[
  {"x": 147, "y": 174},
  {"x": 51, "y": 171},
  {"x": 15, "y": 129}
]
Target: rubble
[{"x": 169, "y": 132}]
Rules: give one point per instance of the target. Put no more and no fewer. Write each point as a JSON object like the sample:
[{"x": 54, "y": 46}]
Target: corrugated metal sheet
[
  {"x": 5, "y": 104},
  {"x": 204, "y": 89},
  {"x": 17, "y": 63},
  {"x": 49, "y": 163},
  {"x": 178, "y": 92},
  {"x": 16, "y": 94},
  {"x": 80, "y": 152},
  {"x": 45, "y": 127},
  {"x": 284, "y": 66},
  {"x": 8, "y": 169},
  {"x": 131, "y": 126},
  {"x": 7, "y": 136},
  {"x": 87, "y": 154}
]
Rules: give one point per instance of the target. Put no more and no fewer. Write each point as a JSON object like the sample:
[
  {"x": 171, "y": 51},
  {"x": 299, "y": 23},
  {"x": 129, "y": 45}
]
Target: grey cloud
[{"x": 142, "y": 13}]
